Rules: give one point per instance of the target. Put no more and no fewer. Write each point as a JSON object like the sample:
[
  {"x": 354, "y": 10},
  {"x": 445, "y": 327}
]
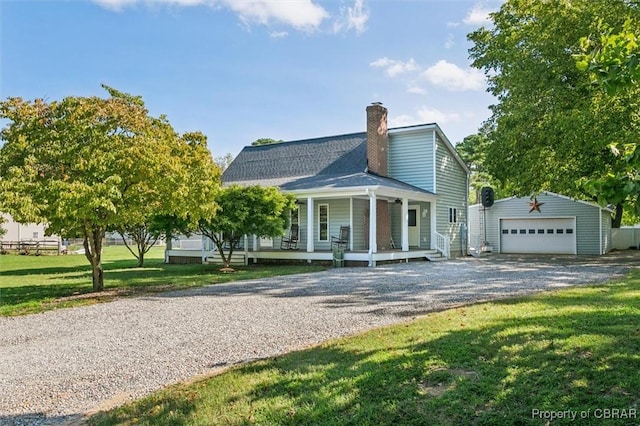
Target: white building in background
[{"x": 23, "y": 232}]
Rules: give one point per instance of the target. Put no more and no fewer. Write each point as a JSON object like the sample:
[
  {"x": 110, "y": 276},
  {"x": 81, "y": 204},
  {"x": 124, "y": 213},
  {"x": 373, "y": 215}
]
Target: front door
[{"x": 414, "y": 226}]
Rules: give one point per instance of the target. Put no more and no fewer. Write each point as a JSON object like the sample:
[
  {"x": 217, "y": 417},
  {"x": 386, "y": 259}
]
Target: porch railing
[{"x": 443, "y": 245}]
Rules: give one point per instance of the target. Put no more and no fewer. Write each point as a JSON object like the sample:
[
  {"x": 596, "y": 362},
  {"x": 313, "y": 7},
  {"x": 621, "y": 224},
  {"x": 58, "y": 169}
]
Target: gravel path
[{"x": 57, "y": 365}]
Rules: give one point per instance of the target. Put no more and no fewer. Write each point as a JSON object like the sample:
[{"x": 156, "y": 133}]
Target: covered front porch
[
  {"x": 386, "y": 223},
  {"x": 241, "y": 256},
  {"x": 350, "y": 257}
]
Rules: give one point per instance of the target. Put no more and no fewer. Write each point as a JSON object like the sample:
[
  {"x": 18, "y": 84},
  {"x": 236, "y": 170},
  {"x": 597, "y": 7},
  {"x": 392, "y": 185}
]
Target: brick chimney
[{"x": 377, "y": 139}]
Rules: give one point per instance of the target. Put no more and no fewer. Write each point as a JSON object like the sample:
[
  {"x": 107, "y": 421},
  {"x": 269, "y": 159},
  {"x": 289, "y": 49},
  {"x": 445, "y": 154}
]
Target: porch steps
[
  {"x": 434, "y": 256},
  {"x": 236, "y": 259}
]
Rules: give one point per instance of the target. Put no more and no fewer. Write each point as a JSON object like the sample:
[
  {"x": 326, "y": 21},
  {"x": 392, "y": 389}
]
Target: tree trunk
[
  {"x": 93, "y": 251},
  {"x": 219, "y": 243},
  {"x": 138, "y": 235},
  {"x": 220, "y": 246},
  {"x": 617, "y": 218},
  {"x": 227, "y": 261},
  {"x": 142, "y": 241},
  {"x": 97, "y": 277},
  {"x": 169, "y": 244}
]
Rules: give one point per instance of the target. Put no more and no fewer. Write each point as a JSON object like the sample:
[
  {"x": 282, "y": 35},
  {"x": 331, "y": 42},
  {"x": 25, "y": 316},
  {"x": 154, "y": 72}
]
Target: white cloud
[
  {"x": 352, "y": 18},
  {"x": 452, "y": 77},
  {"x": 381, "y": 62},
  {"x": 403, "y": 120},
  {"x": 300, "y": 14},
  {"x": 393, "y": 67},
  {"x": 432, "y": 115},
  {"x": 416, "y": 90},
  {"x": 450, "y": 42},
  {"x": 478, "y": 16},
  {"x": 424, "y": 115},
  {"x": 115, "y": 5},
  {"x": 443, "y": 74},
  {"x": 278, "y": 34}
]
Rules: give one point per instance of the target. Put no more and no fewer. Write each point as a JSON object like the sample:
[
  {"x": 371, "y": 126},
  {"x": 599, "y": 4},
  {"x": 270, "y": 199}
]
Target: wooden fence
[{"x": 31, "y": 247}]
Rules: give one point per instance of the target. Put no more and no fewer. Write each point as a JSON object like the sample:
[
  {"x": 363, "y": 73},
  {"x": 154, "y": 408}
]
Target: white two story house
[{"x": 400, "y": 192}]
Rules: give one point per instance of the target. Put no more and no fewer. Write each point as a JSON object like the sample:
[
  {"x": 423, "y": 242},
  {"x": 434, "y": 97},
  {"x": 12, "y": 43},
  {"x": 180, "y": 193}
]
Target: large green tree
[
  {"x": 87, "y": 164},
  {"x": 473, "y": 151},
  {"x": 195, "y": 198},
  {"x": 612, "y": 60},
  {"x": 551, "y": 128},
  {"x": 246, "y": 210}
]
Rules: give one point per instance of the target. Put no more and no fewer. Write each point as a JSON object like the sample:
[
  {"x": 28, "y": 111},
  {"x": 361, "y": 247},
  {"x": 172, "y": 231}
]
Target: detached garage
[{"x": 547, "y": 224}]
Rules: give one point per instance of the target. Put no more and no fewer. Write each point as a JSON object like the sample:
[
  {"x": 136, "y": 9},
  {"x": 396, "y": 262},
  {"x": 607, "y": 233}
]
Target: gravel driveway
[{"x": 57, "y": 365}]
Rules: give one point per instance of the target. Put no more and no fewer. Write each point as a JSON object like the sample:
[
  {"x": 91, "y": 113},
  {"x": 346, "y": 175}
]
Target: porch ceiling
[
  {"x": 363, "y": 193},
  {"x": 359, "y": 185}
]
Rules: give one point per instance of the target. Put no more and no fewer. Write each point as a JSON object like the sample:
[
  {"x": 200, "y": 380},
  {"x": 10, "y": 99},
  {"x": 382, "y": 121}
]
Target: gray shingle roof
[
  {"x": 324, "y": 163},
  {"x": 337, "y": 155}
]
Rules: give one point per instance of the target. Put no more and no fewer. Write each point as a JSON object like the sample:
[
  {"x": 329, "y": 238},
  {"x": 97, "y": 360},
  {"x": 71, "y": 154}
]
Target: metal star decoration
[{"x": 535, "y": 206}]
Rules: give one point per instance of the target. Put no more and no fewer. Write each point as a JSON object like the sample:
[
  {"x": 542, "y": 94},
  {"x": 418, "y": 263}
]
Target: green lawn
[
  {"x": 30, "y": 284},
  {"x": 515, "y": 362}
]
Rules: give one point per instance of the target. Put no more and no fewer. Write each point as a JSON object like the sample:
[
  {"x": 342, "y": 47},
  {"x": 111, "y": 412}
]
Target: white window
[
  {"x": 295, "y": 216},
  {"x": 35, "y": 235},
  {"x": 323, "y": 222},
  {"x": 266, "y": 242},
  {"x": 453, "y": 215}
]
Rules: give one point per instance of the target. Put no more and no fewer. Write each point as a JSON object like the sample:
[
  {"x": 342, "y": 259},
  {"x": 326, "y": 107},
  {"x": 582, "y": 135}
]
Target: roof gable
[
  {"x": 550, "y": 194},
  {"x": 443, "y": 138}
]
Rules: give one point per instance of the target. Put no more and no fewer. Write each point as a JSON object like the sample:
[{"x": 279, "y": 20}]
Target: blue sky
[{"x": 239, "y": 70}]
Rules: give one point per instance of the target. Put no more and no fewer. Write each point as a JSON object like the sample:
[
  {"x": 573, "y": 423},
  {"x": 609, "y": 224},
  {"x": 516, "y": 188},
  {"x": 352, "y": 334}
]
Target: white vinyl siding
[
  {"x": 302, "y": 217},
  {"x": 424, "y": 220},
  {"x": 451, "y": 188},
  {"x": 338, "y": 215},
  {"x": 23, "y": 231},
  {"x": 299, "y": 217},
  {"x": 411, "y": 158},
  {"x": 360, "y": 219}
]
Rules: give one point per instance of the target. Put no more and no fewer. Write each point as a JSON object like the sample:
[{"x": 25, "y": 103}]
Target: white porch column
[
  {"x": 373, "y": 218},
  {"x": 246, "y": 250},
  {"x": 405, "y": 224},
  {"x": 433, "y": 210},
  {"x": 310, "y": 225},
  {"x": 202, "y": 243},
  {"x": 351, "y": 223}
]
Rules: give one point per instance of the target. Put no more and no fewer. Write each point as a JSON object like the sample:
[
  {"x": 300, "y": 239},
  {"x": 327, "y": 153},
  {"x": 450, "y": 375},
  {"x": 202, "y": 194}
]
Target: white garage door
[{"x": 556, "y": 236}]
